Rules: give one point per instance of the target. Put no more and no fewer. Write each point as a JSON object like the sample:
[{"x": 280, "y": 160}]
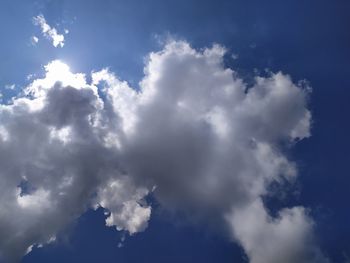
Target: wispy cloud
[
  {"x": 10, "y": 86},
  {"x": 48, "y": 31},
  {"x": 34, "y": 40}
]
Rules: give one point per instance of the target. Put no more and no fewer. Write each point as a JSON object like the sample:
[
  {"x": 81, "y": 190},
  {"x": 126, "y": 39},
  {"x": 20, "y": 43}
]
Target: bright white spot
[
  {"x": 58, "y": 70},
  {"x": 38, "y": 200},
  {"x": 63, "y": 134}
]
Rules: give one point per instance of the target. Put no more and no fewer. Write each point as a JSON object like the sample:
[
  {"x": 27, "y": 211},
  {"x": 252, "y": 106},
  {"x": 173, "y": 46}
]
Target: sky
[{"x": 176, "y": 131}]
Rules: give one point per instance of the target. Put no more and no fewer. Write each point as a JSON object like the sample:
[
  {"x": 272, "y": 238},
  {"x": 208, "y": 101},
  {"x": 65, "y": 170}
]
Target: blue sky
[{"x": 308, "y": 40}]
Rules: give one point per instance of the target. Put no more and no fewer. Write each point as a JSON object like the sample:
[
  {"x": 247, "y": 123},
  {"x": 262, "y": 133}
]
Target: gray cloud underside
[{"x": 195, "y": 134}]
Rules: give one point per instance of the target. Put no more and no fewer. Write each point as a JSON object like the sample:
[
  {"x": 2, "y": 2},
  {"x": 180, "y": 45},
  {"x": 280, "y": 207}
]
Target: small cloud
[
  {"x": 30, "y": 76},
  {"x": 34, "y": 40},
  {"x": 253, "y": 45},
  {"x": 10, "y": 86},
  {"x": 234, "y": 56},
  {"x": 48, "y": 31}
]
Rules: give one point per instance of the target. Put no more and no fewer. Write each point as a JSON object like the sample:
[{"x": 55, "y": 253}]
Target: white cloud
[
  {"x": 34, "y": 40},
  {"x": 10, "y": 86},
  {"x": 37, "y": 200},
  {"x": 126, "y": 213},
  {"x": 287, "y": 238},
  {"x": 195, "y": 131},
  {"x": 48, "y": 31}
]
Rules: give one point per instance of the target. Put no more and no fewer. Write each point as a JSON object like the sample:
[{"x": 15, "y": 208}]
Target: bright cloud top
[
  {"x": 48, "y": 32},
  {"x": 195, "y": 135}
]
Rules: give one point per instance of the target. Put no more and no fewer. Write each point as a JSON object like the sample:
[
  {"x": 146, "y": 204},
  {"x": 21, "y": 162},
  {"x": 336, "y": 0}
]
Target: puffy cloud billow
[{"x": 194, "y": 134}]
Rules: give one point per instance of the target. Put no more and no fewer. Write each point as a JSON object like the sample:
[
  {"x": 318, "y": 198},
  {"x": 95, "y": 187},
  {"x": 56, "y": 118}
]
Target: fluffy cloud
[
  {"x": 195, "y": 133},
  {"x": 287, "y": 238},
  {"x": 48, "y": 31},
  {"x": 123, "y": 202}
]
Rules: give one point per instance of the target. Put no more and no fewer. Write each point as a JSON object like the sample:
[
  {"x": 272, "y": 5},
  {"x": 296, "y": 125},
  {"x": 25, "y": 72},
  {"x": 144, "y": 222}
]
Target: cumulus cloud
[
  {"x": 123, "y": 202},
  {"x": 195, "y": 135},
  {"x": 48, "y": 32},
  {"x": 286, "y": 238}
]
